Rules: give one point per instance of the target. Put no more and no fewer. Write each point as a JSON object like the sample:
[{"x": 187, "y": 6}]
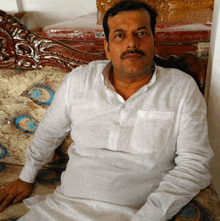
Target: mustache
[{"x": 135, "y": 51}]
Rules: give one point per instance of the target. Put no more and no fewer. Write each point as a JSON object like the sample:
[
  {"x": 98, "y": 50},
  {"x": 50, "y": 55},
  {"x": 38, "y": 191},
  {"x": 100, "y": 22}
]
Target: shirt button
[{"x": 117, "y": 123}]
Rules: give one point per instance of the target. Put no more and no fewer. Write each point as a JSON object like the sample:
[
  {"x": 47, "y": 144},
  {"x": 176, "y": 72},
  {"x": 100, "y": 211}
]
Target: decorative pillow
[{"x": 25, "y": 96}]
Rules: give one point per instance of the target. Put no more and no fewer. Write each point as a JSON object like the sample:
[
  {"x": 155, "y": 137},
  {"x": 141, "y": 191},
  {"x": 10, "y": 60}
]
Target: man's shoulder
[
  {"x": 86, "y": 75},
  {"x": 174, "y": 75},
  {"x": 175, "y": 81},
  {"x": 91, "y": 68}
]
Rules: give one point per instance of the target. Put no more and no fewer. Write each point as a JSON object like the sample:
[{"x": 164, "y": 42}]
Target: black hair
[{"x": 128, "y": 5}]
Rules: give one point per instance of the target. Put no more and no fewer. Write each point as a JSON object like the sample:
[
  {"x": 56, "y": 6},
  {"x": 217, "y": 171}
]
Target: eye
[
  {"x": 141, "y": 33},
  {"x": 119, "y": 35}
]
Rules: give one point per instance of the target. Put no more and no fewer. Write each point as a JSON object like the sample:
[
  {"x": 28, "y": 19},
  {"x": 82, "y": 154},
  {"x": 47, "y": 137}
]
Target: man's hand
[{"x": 14, "y": 192}]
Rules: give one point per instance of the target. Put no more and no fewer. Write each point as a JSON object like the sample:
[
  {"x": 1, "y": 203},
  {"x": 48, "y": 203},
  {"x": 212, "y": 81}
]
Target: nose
[{"x": 132, "y": 41}]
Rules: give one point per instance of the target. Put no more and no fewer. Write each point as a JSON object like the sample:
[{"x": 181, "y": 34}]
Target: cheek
[
  {"x": 149, "y": 50},
  {"x": 114, "y": 53}
]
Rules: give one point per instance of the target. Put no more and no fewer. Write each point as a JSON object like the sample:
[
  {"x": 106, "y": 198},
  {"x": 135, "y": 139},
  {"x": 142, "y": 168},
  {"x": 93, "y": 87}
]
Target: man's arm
[
  {"x": 50, "y": 133},
  {"x": 191, "y": 173}
]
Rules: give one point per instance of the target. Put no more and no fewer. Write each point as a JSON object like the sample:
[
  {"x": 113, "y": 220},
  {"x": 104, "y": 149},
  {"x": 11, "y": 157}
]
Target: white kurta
[{"x": 139, "y": 159}]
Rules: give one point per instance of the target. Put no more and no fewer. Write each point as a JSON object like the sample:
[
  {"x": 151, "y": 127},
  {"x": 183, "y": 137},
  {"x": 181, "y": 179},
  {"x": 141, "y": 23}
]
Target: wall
[
  {"x": 42, "y": 13},
  {"x": 213, "y": 95},
  {"x": 8, "y": 5}
]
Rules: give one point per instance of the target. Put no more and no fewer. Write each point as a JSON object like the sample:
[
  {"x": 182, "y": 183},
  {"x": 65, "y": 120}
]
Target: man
[{"x": 140, "y": 148}]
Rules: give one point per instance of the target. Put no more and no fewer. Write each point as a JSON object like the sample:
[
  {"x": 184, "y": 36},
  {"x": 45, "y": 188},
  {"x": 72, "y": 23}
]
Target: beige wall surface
[
  {"x": 41, "y": 13},
  {"x": 213, "y": 95}
]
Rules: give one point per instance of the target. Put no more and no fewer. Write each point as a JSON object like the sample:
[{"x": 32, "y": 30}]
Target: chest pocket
[{"x": 151, "y": 130}]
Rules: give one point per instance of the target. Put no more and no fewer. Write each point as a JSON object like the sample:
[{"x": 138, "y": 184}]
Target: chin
[{"x": 136, "y": 70}]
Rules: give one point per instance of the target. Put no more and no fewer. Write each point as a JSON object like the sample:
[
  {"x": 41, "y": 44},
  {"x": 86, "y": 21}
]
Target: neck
[{"x": 126, "y": 87}]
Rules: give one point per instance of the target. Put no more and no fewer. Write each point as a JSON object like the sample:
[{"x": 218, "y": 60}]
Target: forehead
[{"x": 137, "y": 18}]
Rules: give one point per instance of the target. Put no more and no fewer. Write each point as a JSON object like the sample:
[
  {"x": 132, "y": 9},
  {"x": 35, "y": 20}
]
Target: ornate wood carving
[{"x": 21, "y": 48}]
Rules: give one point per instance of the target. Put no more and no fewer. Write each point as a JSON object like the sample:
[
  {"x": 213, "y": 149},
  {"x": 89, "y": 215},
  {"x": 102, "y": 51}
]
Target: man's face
[{"x": 131, "y": 43}]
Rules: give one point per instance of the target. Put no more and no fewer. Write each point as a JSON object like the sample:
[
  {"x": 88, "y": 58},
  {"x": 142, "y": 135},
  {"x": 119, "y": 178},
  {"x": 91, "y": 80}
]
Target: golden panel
[
  {"x": 104, "y": 5},
  {"x": 168, "y": 10}
]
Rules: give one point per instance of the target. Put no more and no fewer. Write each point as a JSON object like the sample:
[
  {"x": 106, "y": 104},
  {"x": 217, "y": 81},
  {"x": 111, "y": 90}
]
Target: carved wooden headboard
[{"x": 20, "y": 48}]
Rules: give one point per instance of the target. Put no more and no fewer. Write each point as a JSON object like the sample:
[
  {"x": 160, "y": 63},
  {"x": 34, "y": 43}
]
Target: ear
[{"x": 106, "y": 48}]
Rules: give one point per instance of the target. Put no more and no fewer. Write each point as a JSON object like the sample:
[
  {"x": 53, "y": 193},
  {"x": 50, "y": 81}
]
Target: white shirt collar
[{"x": 109, "y": 85}]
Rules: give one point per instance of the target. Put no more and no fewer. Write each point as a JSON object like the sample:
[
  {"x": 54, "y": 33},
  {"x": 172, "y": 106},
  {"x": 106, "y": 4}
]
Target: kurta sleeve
[
  {"x": 193, "y": 155},
  {"x": 52, "y": 130}
]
